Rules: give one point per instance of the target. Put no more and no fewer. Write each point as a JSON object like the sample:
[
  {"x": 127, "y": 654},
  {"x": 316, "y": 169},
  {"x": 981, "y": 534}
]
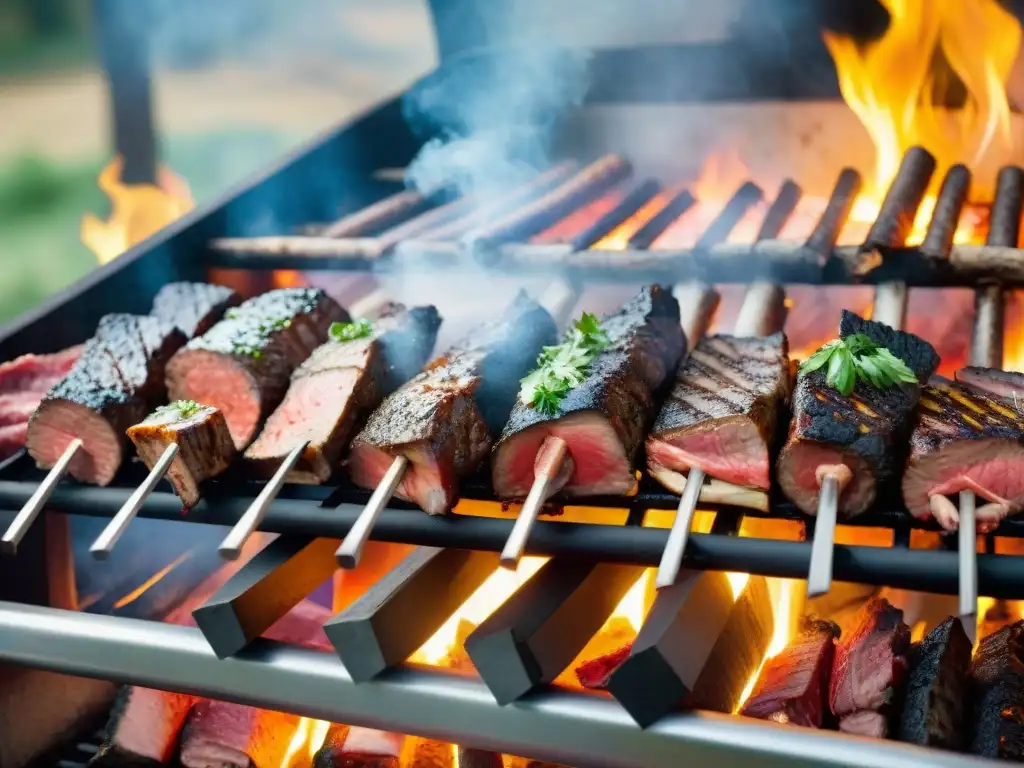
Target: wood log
[
  {"x": 384, "y": 213},
  {"x": 1004, "y": 221},
  {"x": 743, "y": 199},
  {"x": 478, "y": 758},
  {"x": 634, "y": 200},
  {"x": 780, "y": 210},
  {"x": 840, "y": 202},
  {"x": 300, "y": 245},
  {"x": 946, "y": 217},
  {"x": 679, "y": 204}
]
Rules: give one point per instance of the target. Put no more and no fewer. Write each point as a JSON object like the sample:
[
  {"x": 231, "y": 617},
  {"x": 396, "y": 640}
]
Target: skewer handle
[
  {"x": 351, "y": 548},
  {"x": 675, "y": 548},
  {"x": 968, "y": 558},
  {"x": 19, "y": 526},
  {"x": 516, "y": 543},
  {"x": 232, "y": 545},
  {"x": 819, "y": 576},
  {"x": 105, "y": 542}
]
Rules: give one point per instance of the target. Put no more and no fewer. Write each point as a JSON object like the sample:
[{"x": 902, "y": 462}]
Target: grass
[{"x": 41, "y": 206}]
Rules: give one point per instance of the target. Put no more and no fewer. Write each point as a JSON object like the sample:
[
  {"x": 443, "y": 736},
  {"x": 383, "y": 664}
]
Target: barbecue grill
[{"x": 264, "y": 226}]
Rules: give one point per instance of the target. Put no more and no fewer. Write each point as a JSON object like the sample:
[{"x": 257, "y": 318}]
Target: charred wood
[
  {"x": 742, "y": 200},
  {"x": 373, "y": 218},
  {"x": 634, "y": 200},
  {"x": 780, "y": 210},
  {"x": 938, "y": 238},
  {"x": 644, "y": 237},
  {"x": 268, "y": 586},
  {"x": 844, "y": 194},
  {"x": 896, "y": 217},
  {"x": 331, "y": 752},
  {"x": 300, "y": 245},
  {"x": 478, "y": 758},
  {"x": 538, "y": 631},
  {"x": 997, "y": 695},
  {"x": 401, "y": 611},
  {"x": 697, "y": 648},
  {"x": 1004, "y": 221}
]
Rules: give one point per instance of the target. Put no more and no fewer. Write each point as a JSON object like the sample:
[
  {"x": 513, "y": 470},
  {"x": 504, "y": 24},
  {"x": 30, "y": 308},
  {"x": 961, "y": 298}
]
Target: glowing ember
[
  {"x": 140, "y": 590},
  {"x": 893, "y": 87},
  {"x": 784, "y": 601},
  {"x": 306, "y": 741},
  {"x": 137, "y": 211}
]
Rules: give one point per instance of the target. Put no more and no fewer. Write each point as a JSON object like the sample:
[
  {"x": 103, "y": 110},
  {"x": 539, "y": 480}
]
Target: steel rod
[
  {"x": 819, "y": 576},
  {"x": 527, "y": 517},
  {"x": 552, "y": 724},
  {"x": 679, "y": 535},
  {"x": 351, "y": 549},
  {"x": 232, "y": 545},
  {"x": 104, "y": 544},
  {"x": 968, "y": 562},
  {"x": 23, "y": 520}
]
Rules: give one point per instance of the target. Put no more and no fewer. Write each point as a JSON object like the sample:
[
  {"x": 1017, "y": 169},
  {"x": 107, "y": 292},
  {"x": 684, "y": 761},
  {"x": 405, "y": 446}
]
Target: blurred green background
[{"x": 236, "y": 84}]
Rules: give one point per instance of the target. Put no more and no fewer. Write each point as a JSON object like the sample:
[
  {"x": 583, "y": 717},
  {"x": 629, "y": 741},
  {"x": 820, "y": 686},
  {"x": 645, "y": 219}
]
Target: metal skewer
[
  {"x": 232, "y": 545},
  {"x": 762, "y": 312},
  {"x": 516, "y": 543},
  {"x": 351, "y": 548},
  {"x": 105, "y": 542},
  {"x": 23, "y": 521}
]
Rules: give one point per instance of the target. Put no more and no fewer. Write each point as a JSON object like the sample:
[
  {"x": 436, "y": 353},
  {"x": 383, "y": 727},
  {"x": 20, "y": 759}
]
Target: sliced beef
[
  {"x": 193, "y": 307},
  {"x": 869, "y": 669},
  {"x": 205, "y": 447},
  {"x": 115, "y": 381},
  {"x": 36, "y": 373},
  {"x": 333, "y": 392},
  {"x": 722, "y": 412},
  {"x": 865, "y": 432},
  {"x": 965, "y": 440},
  {"x": 793, "y": 686},
  {"x": 604, "y": 419},
  {"x": 143, "y": 729},
  {"x": 243, "y": 364},
  {"x": 935, "y": 706},
  {"x": 444, "y": 419},
  {"x": 996, "y": 726},
  {"x": 1007, "y": 386}
]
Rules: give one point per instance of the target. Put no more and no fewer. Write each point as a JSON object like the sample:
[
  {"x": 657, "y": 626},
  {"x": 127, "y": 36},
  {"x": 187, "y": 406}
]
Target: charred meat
[
  {"x": 1007, "y": 386},
  {"x": 869, "y": 669},
  {"x": 243, "y": 364},
  {"x": 964, "y": 440},
  {"x": 793, "y": 686},
  {"x": 115, "y": 381},
  {"x": 444, "y": 419},
  {"x": 333, "y": 392},
  {"x": 860, "y": 435},
  {"x": 935, "y": 707},
  {"x": 997, "y": 695},
  {"x": 193, "y": 307},
  {"x": 143, "y": 729},
  {"x": 602, "y": 419},
  {"x": 205, "y": 447},
  {"x": 722, "y": 412}
]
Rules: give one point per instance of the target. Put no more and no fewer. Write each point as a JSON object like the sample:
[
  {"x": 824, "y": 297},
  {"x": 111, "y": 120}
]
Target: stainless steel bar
[
  {"x": 351, "y": 548},
  {"x": 556, "y": 725},
  {"x": 23, "y": 521}
]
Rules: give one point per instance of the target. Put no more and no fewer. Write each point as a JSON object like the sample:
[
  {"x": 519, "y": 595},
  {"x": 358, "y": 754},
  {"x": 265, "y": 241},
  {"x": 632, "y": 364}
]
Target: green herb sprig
[
  {"x": 358, "y": 329},
  {"x": 562, "y": 367},
  {"x": 858, "y": 358},
  {"x": 182, "y": 409}
]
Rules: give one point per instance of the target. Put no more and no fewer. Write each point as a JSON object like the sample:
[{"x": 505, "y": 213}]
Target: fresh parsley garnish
[
  {"x": 855, "y": 358},
  {"x": 562, "y": 367},
  {"x": 358, "y": 329},
  {"x": 182, "y": 409}
]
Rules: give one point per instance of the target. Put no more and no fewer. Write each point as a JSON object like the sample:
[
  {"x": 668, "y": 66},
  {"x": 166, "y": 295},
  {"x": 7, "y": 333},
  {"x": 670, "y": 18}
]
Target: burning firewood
[
  {"x": 355, "y": 747},
  {"x": 997, "y": 688},
  {"x": 478, "y": 758}
]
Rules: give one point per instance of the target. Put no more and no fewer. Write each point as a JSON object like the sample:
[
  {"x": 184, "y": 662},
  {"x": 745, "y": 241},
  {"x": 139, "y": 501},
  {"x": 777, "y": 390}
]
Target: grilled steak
[
  {"x": 864, "y": 432},
  {"x": 869, "y": 669},
  {"x": 143, "y": 729},
  {"x": 965, "y": 440},
  {"x": 1007, "y": 386},
  {"x": 333, "y": 392},
  {"x": 722, "y": 413},
  {"x": 997, "y": 694},
  {"x": 793, "y": 686},
  {"x": 935, "y": 707},
  {"x": 444, "y": 419},
  {"x": 604, "y": 419},
  {"x": 118, "y": 376},
  {"x": 23, "y": 383},
  {"x": 193, "y": 307},
  {"x": 242, "y": 365},
  {"x": 205, "y": 447}
]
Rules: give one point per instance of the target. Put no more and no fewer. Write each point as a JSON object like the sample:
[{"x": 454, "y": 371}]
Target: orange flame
[
  {"x": 140, "y": 590},
  {"x": 310, "y": 734},
  {"x": 137, "y": 211}
]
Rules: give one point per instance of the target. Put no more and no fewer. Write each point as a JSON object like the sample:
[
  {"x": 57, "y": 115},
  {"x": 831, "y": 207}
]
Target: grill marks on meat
[
  {"x": 723, "y": 410},
  {"x": 243, "y": 364},
  {"x": 205, "y": 447},
  {"x": 193, "y": 307},
  {"x": 1007, "y": 386},
  {"x": 143, "y": 729},
  {"x": 117, "y": 378},
  {"x": 865, "y": 431},
  {"x": 869, "y": 669},
  {"x": 332, "y": 392},
  {"x": 935, "y": 706},
  {"x": 965, "y": 440},
  {"x": 997, "y": 695},
  {"x": 605, "y": 418},
  {"x": 793, "y": 686},
  {"x": 444, "y": 419}
]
